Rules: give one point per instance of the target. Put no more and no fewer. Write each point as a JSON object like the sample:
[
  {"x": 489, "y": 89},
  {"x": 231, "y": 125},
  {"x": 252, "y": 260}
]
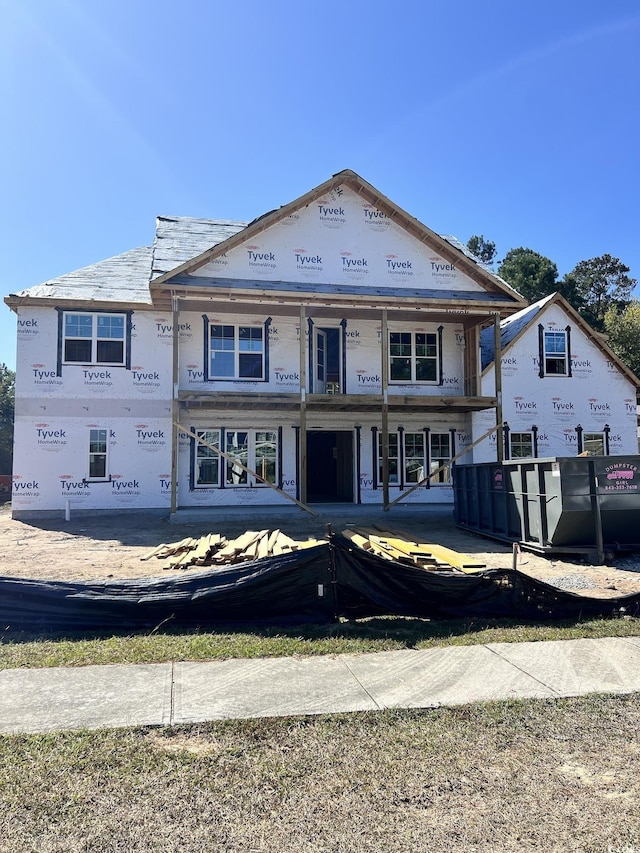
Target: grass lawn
[
  {"x": 520, "y": 776},
  {"x": 364, "y": 635}
]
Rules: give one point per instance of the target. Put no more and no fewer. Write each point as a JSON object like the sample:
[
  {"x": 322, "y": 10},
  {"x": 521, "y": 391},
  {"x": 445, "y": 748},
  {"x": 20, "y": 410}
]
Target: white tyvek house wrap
[
  {"x": 37, "y": 358},
  {"x": 52, "y": 464},
  {"x": 55, "y": 414},
  {"x": 340, "y": 239},
  {"x": 596, "y": 394}
]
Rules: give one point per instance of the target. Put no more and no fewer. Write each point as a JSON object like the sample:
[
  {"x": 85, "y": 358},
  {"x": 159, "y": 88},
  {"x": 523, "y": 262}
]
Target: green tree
[
  {"x": 599, "y": 285},
  {"x": 483, "y": 249},
  {"x": 7, "y": 404},
  {"x": 530, "y": 273},
  {"x": 622, "y": 327}
]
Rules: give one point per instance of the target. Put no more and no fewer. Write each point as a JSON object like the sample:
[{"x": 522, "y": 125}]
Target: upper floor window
[
  {"x": 91, "y": 338},
  {"x": 234, "y": 352},
  {"x": 414, "y": 357},
  {"x": 554, "y": 351}
]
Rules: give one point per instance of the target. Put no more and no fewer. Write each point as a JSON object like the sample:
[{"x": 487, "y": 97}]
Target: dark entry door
[{"x": 330, "y": 466}]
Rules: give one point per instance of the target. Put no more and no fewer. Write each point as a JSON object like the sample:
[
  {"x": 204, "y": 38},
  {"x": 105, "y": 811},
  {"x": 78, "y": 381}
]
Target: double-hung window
[
  {"x": 440, "y": 456},
  {"x": 556, "y": 354},
  {"x": 521, "y": 445},
  {"x": 414, "y": 458},
  {"x": 98, "y": 453},
  {"x": 413, "y": 357},
  {"x": 236, "y": 352},
  {"x": 394, "y": 459},
  {"x": 207, "y": 461},
  {"x": 94, "y": 338}
]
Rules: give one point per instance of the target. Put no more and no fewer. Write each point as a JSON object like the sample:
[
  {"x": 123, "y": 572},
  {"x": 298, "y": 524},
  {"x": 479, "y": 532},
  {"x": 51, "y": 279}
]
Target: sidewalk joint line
[
  {"x": 355, "y": 677},
  {"x": 172, "y": 698},
  {"x": 523, "y": 671}
]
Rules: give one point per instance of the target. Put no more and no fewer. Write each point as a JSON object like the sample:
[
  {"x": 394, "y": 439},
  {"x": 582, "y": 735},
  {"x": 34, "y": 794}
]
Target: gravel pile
[{"x": 572, "y": 582}]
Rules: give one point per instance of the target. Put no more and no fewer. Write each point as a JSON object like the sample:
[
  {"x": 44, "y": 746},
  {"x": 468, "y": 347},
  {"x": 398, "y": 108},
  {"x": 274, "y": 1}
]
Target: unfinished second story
[{"x": 340, "y": 297}]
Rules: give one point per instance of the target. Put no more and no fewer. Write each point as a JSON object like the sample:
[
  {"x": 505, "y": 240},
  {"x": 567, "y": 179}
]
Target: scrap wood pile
[
  {"x": 216, "y": 550},
  {"x": 402, "y": 548}
]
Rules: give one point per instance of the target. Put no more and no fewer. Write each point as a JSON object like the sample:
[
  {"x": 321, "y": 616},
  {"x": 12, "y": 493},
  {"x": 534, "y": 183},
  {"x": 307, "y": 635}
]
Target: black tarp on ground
[
  {"x": 367, "y": 585},
  {"x": 280, "y": 589},
  {"x": 285, "y": 590}
]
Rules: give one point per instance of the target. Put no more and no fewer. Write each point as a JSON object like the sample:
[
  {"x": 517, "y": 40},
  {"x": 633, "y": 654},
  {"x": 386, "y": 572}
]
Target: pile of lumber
[
  {"x": 401, "y": 548},
  {"x": 216, "y": 550}
]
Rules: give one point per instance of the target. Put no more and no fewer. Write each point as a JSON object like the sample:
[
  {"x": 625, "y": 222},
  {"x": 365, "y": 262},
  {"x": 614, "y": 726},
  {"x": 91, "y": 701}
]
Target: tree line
[{"x": 600, "y": 289}]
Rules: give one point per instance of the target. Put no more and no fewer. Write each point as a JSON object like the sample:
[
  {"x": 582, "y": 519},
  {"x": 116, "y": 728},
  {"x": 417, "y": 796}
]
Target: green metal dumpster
[{"x": 561, "y": 504}]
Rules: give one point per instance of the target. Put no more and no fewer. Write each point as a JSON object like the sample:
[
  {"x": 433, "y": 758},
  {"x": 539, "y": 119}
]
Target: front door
[{"x": 330, "y": 466}]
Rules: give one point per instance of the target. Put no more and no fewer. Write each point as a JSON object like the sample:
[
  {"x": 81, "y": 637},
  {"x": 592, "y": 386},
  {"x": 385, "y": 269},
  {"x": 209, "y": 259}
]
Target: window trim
[
  {"x": 401, "y": 435},
  {"x": 531, "y": 435},
  {"x": 197, "y": 445},
  {"x": 106, "y": 477},
  {"x": 602, "y": 436},
  {"x": 208, "y": 323},
  {"x": 94, "y": 313},
  {"x": 413, "y": 357},
  {"x": 223, "y": 481},
  {"x": 543, "y": 355}
]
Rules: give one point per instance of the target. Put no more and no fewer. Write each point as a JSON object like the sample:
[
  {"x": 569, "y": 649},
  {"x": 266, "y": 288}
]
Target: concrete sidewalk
[{"x": 41, "y": 700}]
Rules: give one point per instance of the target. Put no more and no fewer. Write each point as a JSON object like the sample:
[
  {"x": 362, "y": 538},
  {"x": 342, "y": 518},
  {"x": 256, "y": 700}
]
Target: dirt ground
[{"x": 105, "y": 546}]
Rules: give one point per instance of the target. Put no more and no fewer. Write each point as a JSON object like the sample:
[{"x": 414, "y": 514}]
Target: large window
[
  {"x": 236, "y": 352},
  {"x": 413, "y": 454},
  {"x": 93, "y": 338},
  {"x": 256, "y": 450},
  {"x": 521, "y": 445},
  {"x": 413, "y": 357},
  {"x": 98, "y": 451},
  {"x": 556, "y": 354}
]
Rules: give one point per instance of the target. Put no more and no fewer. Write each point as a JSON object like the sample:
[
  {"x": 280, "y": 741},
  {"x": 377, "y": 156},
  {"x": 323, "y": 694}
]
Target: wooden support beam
[
  {"x": 384, "y": 432},
  {"x": 175, "y": 379},
  {"x": 303, "y": 407},
  {"x": 497, "y": 365}
]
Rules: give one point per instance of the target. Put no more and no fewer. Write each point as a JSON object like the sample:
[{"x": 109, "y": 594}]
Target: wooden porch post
[
  {"x": 175, "y": 316},
  {"x": 384, "y": 432},
  {"x": 303, "y": 407},
  {"x": 497, "y": 365}
]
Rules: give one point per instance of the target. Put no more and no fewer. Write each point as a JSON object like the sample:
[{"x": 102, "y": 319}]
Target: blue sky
[{"x": 518, "y": 121}]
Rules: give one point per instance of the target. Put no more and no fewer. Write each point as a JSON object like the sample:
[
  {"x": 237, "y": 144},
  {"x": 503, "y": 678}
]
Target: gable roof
[
  {"x": 443, "y": 246},
  {"x": 123, "y": 279},
  {"x": 513, "y": 327}
]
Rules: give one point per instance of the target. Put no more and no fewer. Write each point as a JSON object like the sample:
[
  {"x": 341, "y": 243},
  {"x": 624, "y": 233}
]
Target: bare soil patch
[{"x": 104, "y": 546}]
